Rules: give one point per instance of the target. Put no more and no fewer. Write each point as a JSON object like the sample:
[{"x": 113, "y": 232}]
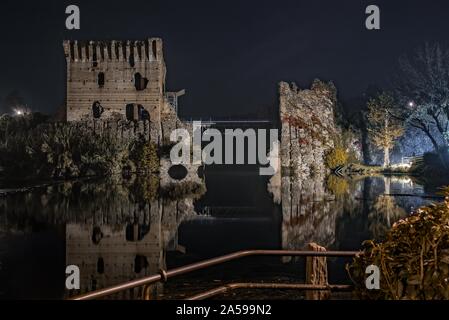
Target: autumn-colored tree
[{"x": 384, "y": 128}]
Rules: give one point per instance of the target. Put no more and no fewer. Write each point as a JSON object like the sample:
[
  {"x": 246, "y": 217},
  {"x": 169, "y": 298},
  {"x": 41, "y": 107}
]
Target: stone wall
[
  {"x": 308, "y": 127},
  {"x": 123, "y": 129},
  {"x": 170, "y": 122},
  {"x": 302, "y": 186},
  {"x": 110, "y": 72},
  {"x": 126, "y": 129},
  {"x": 117, "y": 74}
]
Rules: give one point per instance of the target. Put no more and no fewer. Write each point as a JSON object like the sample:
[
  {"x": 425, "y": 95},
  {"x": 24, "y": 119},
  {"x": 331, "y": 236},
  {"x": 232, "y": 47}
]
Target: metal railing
[
  {"x": 276, "y": 286},
  {"x": 164, "y": 275}
]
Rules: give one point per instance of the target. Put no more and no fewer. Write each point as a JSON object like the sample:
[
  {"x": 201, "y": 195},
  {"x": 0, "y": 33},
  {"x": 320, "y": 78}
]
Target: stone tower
[{"x": 115, "y": 78}]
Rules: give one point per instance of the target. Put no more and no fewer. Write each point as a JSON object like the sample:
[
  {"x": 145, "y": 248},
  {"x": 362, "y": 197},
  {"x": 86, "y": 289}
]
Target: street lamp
[{"x": 19, "y": 112}]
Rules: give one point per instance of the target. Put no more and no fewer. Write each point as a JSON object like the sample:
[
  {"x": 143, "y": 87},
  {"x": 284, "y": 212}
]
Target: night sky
[{"x": 228, "y": 55}]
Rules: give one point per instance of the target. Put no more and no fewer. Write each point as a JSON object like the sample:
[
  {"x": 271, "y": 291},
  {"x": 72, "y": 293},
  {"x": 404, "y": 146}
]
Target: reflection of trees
[
  {"x": 114, "y": 230},
  {"x": 342, "y": 213},
  {"x": 111, "y": 200},
  {"x": 384, "y": 212},
  {"x": 338, "y": 186}
]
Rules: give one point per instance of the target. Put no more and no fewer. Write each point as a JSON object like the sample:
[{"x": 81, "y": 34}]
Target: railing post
[
  {"x": 316, "y": 273},
  {"x": 147, "y": 292}
]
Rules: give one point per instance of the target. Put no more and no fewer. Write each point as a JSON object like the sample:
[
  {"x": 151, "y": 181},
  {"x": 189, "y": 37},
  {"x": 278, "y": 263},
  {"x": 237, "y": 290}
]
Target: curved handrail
[
  {"x": 164, "y": 275},
  {"x": 250, "y": 285}
]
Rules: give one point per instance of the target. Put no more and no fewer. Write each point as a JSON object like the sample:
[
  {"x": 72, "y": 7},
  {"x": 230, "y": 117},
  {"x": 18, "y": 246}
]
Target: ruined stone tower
[{"x": 106, "y": 79}]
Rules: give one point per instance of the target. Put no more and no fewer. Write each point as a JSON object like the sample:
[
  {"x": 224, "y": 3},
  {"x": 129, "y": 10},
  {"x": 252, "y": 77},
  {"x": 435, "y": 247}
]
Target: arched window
[
  {"x": 101, "y": 79},
  {"x": 136, "y": 232},
  {"x": 94, "y": 58},
  {"x": 143, "y": 113},
  {"x": 97, "y": 235},
  {"x": 140, "y": 263},
  {"x": 131, "y": 61},
  {"x": 140, "y": 82},
  {"x": 97, "y": 109},
  {"x": 130, "y": 112},
  {"x": 100, "y": 266},
  {"x": 154, "y": 49}
]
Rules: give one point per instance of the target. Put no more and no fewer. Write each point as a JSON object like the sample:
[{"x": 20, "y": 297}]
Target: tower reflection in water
[{"x": 116, "y": 231}]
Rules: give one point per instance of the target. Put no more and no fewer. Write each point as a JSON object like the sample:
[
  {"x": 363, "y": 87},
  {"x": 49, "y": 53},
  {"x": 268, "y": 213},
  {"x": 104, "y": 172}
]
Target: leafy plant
[
  {"x": 414, "y": 258},
  {"x": 145, "y": 156},
  {"x": 336, "y": 157},
  {"x": 59, "y": 150},
  {"x": 383, "y": 128}
]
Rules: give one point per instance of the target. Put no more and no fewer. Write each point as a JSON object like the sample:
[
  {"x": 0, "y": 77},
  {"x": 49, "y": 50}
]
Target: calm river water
[{"x": 117, "y": 230}]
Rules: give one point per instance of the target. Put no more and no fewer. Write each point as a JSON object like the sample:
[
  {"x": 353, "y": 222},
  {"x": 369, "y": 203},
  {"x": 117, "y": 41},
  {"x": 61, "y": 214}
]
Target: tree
[
  {"x": 422, "y": 88},
  {"x": 383, "y": 127}
]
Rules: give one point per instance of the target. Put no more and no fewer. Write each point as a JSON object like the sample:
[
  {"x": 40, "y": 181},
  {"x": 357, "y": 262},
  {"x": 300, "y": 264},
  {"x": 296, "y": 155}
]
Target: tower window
[
  {"x": 140, "y": 82},
  {"x": 100, "y": 265},
  {"x": 153, "y": 47},
  {"x": 130, "y": 113},
  {"x": 140, "y": 263},
  {"x": 131, "y": 61},
  {"x": 97, "y": 235},
  {"x": 101, "y": 79},
  {"x": 94, "y": 58},
  {"x": 97, "y": 109}
]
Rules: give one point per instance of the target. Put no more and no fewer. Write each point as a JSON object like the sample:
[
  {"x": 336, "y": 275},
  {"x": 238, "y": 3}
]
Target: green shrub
[
  {"x": 145, "y": 156},
  {"x": 336, "y": 157},
  {"x": 10, "y": 126},
  {"x": 60, "y": 150},
  {"x": 146, "y": 188}
]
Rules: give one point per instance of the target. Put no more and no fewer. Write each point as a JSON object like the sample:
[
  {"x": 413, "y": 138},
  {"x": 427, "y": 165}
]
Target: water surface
[{"x": 116, "y": 230}]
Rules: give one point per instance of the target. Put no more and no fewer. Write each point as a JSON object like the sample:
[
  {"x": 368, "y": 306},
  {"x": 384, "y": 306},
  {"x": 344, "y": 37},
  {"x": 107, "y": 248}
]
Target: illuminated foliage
[
  {"x": 145, "y": 156},
  {"x": 384, "y": 129},
  {"x": 337, "y": 157},
  {"x": 338, "y": 186},
  {"x": 413, "y": 260}
]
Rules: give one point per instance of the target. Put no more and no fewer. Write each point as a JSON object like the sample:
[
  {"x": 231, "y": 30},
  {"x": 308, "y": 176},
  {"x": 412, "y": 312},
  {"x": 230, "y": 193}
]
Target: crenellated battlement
[
  {"x": 110, "y": 79},
  {"x": 114, "y": 50}
]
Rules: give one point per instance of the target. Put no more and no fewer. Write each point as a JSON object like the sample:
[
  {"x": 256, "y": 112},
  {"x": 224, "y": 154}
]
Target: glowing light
[
  {"x": 411, "y": 104},
  {"x": 406, "y": 165},
  {"x": 19, "y": 112}
]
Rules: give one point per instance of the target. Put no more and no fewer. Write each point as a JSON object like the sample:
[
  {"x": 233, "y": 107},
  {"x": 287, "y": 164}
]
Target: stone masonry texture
[{"x": 115, "y": 74}]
